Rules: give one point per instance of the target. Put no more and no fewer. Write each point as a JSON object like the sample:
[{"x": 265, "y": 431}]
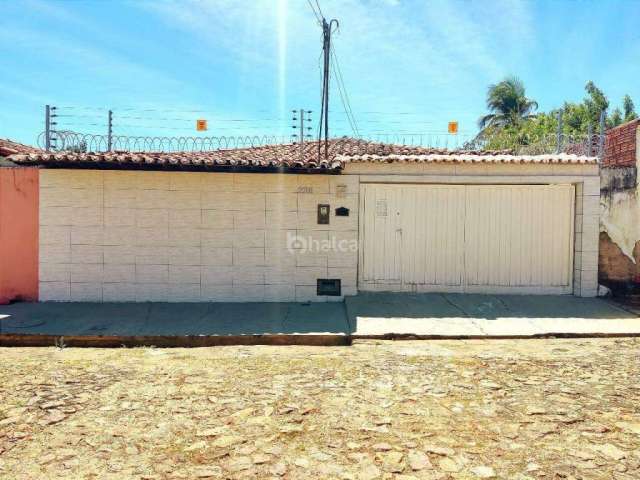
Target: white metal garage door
[{"x": 467, "y": 238}]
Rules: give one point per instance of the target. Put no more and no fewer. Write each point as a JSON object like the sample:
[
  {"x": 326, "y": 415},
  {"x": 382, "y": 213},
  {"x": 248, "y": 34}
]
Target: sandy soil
[{"x": 525, "y": 409}]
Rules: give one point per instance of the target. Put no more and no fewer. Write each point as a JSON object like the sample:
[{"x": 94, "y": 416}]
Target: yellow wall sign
[
  {"x": 201, "y": 125},
  {"x": 453, "y": 127}
]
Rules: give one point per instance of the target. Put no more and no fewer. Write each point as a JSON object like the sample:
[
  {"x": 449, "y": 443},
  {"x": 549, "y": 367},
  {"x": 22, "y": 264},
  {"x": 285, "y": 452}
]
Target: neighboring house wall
[
  {"x": 620, "y": 148},
  {"x": 620, "y": 209},
  {"x": 178, "y": 236},
  {"x": 18, "y": 234}
]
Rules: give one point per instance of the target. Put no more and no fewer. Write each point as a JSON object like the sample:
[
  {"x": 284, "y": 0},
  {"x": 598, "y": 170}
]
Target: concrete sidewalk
[
  {"x": 437, "y": 315},
  {"x": 173, "y": 324},
  {"x": 367, "y": 315}
]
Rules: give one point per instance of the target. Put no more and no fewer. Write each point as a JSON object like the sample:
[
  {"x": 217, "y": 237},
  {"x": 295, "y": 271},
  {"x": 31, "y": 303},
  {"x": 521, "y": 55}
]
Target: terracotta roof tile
[
  {"x": 285, "y": 156},
  {"x": 9, "y": 147},
  {"x": 475, "y": 157}
]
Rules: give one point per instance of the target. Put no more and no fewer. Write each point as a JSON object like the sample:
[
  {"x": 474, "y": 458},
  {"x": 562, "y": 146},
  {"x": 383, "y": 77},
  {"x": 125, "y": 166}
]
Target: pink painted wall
[{"x": 19, "y": 194}]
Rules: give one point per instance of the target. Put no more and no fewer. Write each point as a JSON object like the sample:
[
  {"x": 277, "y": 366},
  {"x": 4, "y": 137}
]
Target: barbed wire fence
[
  {"x": 66, "y": 130},
  {"x": 68, "y": 140}
]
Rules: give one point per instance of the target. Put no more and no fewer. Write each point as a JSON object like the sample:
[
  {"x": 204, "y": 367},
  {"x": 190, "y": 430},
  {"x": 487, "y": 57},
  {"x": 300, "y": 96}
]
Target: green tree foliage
[
  {"x": 512, "y": 124},
  {"x": 595, "y": 102},
  {"x": 508, "y": 104},
  {"x": 615, "y": 118},
  {"x": 629, "y": 109}
]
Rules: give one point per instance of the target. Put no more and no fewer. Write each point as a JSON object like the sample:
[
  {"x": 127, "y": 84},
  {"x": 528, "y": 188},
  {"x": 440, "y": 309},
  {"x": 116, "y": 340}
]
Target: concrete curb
[
  {"x": 195, "y": 341},
  {"x": 168, "y": 341},
  {"x": 409, "y": 336}
]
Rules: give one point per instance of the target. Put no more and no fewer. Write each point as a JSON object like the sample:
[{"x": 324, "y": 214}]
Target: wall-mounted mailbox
[
  {"x": 329, "y": 286},
  {"x": 323, "y": 214},
  {"x": 342, "y": 212}
]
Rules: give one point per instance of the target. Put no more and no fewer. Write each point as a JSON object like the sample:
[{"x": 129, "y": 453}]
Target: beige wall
[
  {"x": 178, "y": 236},
  {"x": 585, "y": 178},
  {"x": 467, "y": 238}
]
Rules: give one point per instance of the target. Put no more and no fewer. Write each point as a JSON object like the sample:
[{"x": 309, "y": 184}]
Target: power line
[
  {"x": 318, "y": 16},
  {"x": 393, "y": 113},
  {"x": 344, "y": 96},
  {"x": 344, "y": 104}
]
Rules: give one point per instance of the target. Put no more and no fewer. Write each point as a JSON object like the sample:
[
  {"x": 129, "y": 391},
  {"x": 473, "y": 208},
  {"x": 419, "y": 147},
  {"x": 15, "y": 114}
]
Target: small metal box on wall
[
  {"x": 324, "y": 212},
  {"x": 331, "y": 287}
]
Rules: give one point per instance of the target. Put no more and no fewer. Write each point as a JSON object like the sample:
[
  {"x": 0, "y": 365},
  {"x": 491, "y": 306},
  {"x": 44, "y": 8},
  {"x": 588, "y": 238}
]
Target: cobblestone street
[{"x": 519, "y": 409}]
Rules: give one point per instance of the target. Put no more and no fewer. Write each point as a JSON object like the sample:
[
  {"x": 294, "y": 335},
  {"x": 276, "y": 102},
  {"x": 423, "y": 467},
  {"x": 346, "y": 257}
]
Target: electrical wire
[
  {"x": 256, "y": 120},
  {"x": 411, "y": 124},
  {"x": 136, "y": 109},
  {"x": 237, "y": 120},
  {"x": 344, "y": 104},
  {"x": 344, "y": 96},
  {"x": 318, "y": 17}
]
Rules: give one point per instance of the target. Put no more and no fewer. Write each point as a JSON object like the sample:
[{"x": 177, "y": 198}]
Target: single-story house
[{"x": 275, "y": 223}]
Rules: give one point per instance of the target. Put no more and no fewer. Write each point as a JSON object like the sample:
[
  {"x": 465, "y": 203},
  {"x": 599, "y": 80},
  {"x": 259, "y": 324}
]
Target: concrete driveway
[
  {"x": 368, "y": 315},
  {"x": 466, "y": 315}
]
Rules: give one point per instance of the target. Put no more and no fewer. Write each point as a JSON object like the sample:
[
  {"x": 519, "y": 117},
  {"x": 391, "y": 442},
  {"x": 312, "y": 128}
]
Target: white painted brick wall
[{"x": 182, "y": 236}]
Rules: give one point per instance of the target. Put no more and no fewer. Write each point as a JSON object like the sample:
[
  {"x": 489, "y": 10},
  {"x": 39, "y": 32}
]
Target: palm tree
[{"x": 508, "y": 105}]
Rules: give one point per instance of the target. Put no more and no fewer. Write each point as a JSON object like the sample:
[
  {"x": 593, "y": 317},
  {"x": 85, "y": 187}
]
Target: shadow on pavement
[{"x": 138, "y": 319}]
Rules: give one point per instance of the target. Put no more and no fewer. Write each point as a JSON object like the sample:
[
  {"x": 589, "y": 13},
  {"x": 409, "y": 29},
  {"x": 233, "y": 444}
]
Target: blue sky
[{"x": 409, "y": 66}]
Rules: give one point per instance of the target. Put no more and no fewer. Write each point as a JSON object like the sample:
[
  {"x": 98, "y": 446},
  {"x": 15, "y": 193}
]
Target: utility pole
[{"x": 327, "y": 28}]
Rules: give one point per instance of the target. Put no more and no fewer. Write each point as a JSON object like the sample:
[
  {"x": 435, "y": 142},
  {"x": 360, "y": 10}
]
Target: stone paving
[{"x": 516, "y": 409}]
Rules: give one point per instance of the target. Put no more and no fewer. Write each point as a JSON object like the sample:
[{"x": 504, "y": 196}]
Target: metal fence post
[
  {"x": 110, "y": 131},
  {"x": 47, "y": 128},
  {"x": 603, "y": 116},
  {"x": 301, "y": 134},
  {"x": 559, "y": 139}
]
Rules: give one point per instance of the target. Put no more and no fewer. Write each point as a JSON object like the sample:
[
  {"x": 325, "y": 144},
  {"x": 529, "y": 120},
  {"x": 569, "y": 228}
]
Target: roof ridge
[
  {"x": 10, "y": 147},
  {"x": 285, "y": 155}
]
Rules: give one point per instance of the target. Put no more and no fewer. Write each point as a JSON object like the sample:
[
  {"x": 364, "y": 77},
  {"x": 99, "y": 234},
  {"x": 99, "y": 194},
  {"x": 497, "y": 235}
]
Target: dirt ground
[{"x": 517, "y": 409}]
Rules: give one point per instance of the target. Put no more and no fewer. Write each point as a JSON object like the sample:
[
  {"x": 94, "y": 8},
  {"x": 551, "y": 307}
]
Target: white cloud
[
  {"x": 389, "y": 59},
  {"x": 396, "y": 56},
  {"x": 79, "y": 58}
]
